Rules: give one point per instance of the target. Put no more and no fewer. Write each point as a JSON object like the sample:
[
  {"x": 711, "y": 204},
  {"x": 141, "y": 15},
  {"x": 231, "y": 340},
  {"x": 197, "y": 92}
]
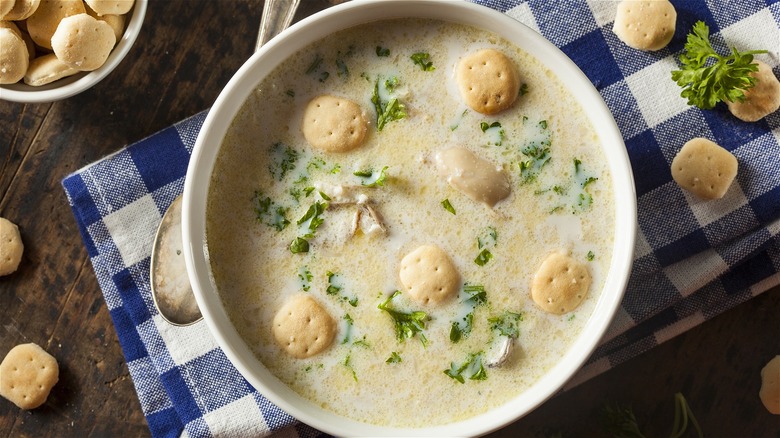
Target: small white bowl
[
  {"x": 312, "y": 29},
  {"x": 72, "y": 85}
]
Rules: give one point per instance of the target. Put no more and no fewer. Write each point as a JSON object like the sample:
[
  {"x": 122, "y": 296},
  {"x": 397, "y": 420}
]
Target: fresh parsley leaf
[
  {"x": 394, "y": 358},
  {"x": 707, "y": 77},
  {"x": 590, "y": 256},
  {"x": 382, "y": 51},
  {"x": 283, "y": 159},
  {"x": 315, "y": 65},
  {"x": 387, "y": 110},
  {"x": 484, "y": 126},
  {"x": 348, "y": 332},
  {"x": 423, "y": 60},
  {"x": 407, "y": 324},
  {"x": 341, "y": 69},
  {"x": 523, "y": 89},
  {"x": 448, "y": 206},
  {"x": 539, "y": 156},
  {"x": 311, "y": 220},
  {"x": 305, "y": 276},
  {"x": 488, "y": 238},
  {"x": 473, "y": 295},
  {"x": 506, "y": 324},
  {"x": 332, "y": 288}
]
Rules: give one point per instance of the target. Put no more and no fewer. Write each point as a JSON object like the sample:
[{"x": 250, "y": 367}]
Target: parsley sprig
[{"x": 705, "y": 82}]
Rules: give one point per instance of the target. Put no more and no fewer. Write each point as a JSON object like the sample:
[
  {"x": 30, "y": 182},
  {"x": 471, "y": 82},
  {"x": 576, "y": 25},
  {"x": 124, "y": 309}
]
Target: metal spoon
[{"x": 171, "y": 289}]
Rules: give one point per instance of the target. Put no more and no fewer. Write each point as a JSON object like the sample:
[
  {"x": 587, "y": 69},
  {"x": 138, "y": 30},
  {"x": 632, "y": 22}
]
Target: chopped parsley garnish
[
  {"x": 290, "y": 93},
  {"x": 448, "y": 206},
  {"x": 341, "y": 69},
  {"x": 523, "y": 89},
  {"x": 269, "y": 213},
  {"x": 584, "y": 199},
  {"x": 315, "y": 65},
  {"x": 389, "y": 109},
  {"x": 473, "y": 295},
  {"x": 539, "y": 156},
  {"x": 324, "y": 76},
  {"x": 484, "y": 126},
  {"x": 472, "y": 369},
  {"x": 335, "y": 287},
  {"x": 283, "y": 159},
  {"x": 487, "y": 240},
  {"x": 348, "y": 363},
  {"x": 394, "y": 358},
  {"x": 423, "y": 60},
  {"x": 382, "y": 51},
  {"x": 506, "y": 324},
  {"x": 348, "y": 331},
  {"x": 495, "y": 131},
  {"x": 407, "y": 324},
  {"x": 305, "y": 276},
  {"x": 311, "y": 220},
  {"x": 590, "y": 256},
  {"x": 332, "y": 288},
  {"x": 374, "y": 179}
]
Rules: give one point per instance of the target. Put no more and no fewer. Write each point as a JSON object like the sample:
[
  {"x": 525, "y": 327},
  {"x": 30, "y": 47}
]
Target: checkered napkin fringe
[{"x": 693, "y": 259}]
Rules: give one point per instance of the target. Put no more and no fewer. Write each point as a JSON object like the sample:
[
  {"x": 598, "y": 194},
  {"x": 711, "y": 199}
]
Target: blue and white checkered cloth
[{"x": 693, "y": 259}]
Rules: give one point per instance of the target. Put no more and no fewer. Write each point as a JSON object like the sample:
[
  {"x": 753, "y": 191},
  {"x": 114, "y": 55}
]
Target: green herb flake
[
  {"x": 388, "y": 110},
  {"x": 472, "y": 369},
  {"x": 315, "y": 65},
  {"x": 332, "y": 288},
  {"x": 341, "y": 69},
  {"x": 523, "y": 89},
  {"x": 348, "y": 331},
  {"x": 448, "y": 206},
  {"x": 299, "y": 245},
  {"x": 382, "y": 51},
  {"x": 473, "y": 295},
  {"x": 283, "y": 160},
  {"x": 590, "y": 256},
  {"x": 305, "y": 276},
  {"x": 372, "y": 178},
  {"x": 290, "y": 93},
  {"x": 394, "y": 358},
  {"x": 506, "y": 324},
  {"x": 484, "y": 256},
  {"x": 423, "y": 60},
  {"x": 269, "y": 213},
  {"x": 407, "y": 324}
]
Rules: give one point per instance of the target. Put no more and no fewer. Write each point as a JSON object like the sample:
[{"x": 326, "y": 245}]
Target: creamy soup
[{"x": 472, "y": 352}]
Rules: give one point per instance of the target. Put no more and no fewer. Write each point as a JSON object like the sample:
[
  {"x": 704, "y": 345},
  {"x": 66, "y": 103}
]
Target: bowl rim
[
  {"x": 70, "y": 86},
  {"x": 342, "y": 16}
]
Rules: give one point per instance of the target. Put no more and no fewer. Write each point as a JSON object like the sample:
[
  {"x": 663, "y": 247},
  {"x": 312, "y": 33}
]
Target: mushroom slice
[
  {"x": 475, "y": 177},
  {"x": 503, "y": 353}
]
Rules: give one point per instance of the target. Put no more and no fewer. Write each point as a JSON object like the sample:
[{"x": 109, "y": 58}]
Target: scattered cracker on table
[
  {"x": 646, "y": 24},
  {"x": 560, "y": 284},
  {"x": 28, "y": 375},
  {"x": 761, "y": 100},
  {"x": 429, "y": 276},
  {"x": 14, "y": 58},
  {"x": 770, "y": 386},
  {"x": 334, "y": 124},
  {"x": 11, "y": 247},
  {"x": 44, "y": 22},
  {"x": 303, "y": 328},
  {"x": 488, "y": 81},
  {"x": 704, "y": 168}
]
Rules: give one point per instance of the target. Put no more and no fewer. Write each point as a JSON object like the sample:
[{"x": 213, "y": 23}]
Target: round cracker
[
  {"x": 704, "y": 168},
  {"x": 46, "y": 69},
  {"x": 761, "y": 100},
  {"x": 117, "y": 22},
  {"x": 560, "y": 284},
  {"x": 110, "y": 7},
  {"x": 29, "y": 373},
  {"x": 488, "y": 81},
  {"x": 303, "y": 328},
  {"x": 645, "y": 25},
  {"x": 44, "y": 22},
  {"x": 770, "y": 386},
  {"x": 14, "y": 58},
  {"x": 334, "y": 124},
  {"x": 22, "y": 9},
  {"x": 5, "y": 7},
  {"x": 83, "y": 42},
  {"x": 11, "y": 246},
  {"x": 429, "y": 276}
]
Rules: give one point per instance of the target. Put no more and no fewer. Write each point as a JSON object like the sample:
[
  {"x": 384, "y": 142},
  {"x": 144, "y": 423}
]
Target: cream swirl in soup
[{"x": 286, "y": 219}]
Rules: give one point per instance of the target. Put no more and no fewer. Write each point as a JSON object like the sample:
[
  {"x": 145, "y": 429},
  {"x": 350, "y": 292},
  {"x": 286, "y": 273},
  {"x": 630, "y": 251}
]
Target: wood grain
[{"x": 186, "y": 53}]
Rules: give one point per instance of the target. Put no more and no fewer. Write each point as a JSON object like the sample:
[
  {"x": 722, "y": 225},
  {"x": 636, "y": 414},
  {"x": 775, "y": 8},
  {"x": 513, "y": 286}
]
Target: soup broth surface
[{"x": 267, "y": 173}]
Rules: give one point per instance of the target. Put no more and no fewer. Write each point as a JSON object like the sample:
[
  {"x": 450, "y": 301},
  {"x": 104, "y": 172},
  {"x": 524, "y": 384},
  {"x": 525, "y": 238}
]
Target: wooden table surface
[{"x": 186, "y": 53}]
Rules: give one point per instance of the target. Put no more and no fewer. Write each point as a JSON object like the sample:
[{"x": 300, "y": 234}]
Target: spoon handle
[{"x": 277, "y": 16}]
